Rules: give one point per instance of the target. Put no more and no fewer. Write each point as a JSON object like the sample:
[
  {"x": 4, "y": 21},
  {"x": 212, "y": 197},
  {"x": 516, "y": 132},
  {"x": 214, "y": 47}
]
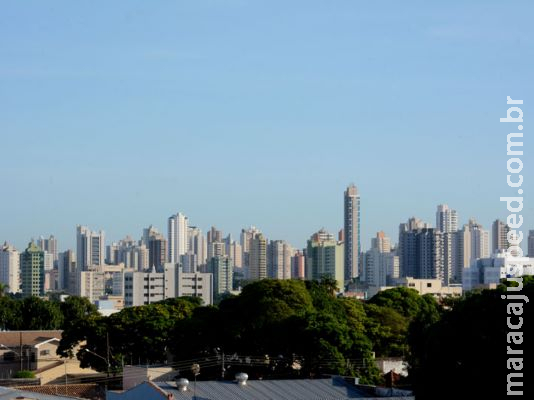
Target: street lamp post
[
  {"x": 107, "y": 363},
  {"x": 103, "y": 358}
]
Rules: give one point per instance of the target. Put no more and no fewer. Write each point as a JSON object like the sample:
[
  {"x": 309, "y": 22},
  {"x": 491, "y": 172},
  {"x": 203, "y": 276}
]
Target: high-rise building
[
  {"x": 49, "y": 261},
  {"x": 279, "y": 259},
  {"x": 298, "y": 265},
  {"x": 195, "y": 284},
  {"x": 32, "y": 271},
  {"x": 189, "y": 262},
  {"x": 223, "y": 274},
  {"x": 407, "y": 249},
  {"x": 351, "y": 232},
  {"x": 142, "y": 288},
  {"x": 531, "y": 243},
  {"x": 236, "y": 254},
  {"x": 446, "y": 219},
  {"x": 381, "y": 242},
  {"x": 131, "y": 253},
  {"x": 67, "y": 271},
  {"x": 472, "y": 242},
  {"x": 157, "y": 248},
  {"x": 177, "y": 237},
  {"x": 325, "y": 258},
  {"x": 90, "y": 284},
  {"x": 499, "y": 236},
  {"x": 49, "y": 245},
  {"x": 444, "y": 257},
  {"x": 10, "y": 268},
  {"x": 381, "y": 265},
  {"x": 426, "y": 253},
  {"x": 90, "y": 248},
  {"x": 197, "y": 245},
  {"x": 258, "y": 257},
  {"x": 214, "y": 235},
  {"x": 216, "y": 249},
  {"x": 246, "y": 237}
]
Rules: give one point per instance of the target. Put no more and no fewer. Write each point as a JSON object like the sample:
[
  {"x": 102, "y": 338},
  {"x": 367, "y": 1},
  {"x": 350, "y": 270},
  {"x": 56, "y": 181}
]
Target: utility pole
[
  {"x": 107, "y": 352},
  {"x": 20, "y": 355},
  {"x": 66, "y": 383},
  {"x": 222, "y": 366}
]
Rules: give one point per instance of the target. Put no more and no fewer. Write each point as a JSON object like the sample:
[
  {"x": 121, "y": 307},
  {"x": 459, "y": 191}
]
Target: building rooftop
[
  {"x": 11, "y": 393},
  {"x": 12, "y": 339},
  {"x": 306, "y": 389}
]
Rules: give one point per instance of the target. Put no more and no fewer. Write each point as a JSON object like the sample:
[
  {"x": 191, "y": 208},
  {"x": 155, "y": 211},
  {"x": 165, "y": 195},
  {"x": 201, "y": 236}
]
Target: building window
[
  {"x": 44, "y": 352},
  {"x": 429, "y": 284}
]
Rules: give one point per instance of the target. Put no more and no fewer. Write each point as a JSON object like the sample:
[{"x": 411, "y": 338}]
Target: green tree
[
  {"x": 38, "y": 314},
  {"x": 10, "y": 317},
  {"x": 468, "y": 346},
  {"x": 3, "y": 289}
]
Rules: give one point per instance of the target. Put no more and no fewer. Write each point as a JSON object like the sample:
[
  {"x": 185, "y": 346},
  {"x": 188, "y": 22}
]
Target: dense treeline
[
  {"x": 272, "y": 329},
  {"x": 294, "y": 329}
]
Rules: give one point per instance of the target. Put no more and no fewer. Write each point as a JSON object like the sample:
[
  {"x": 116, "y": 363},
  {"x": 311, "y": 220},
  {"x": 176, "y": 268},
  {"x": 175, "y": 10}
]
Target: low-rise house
[{"x": 36, "y": 351}]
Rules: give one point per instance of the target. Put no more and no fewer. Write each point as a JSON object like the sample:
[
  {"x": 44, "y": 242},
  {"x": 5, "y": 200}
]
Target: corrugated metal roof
[{"x": 306, "y": 389}]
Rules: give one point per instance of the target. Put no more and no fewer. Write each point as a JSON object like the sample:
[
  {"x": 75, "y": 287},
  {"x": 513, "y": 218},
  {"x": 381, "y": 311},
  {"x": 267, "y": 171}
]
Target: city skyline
[
  {"x": 366, "y": 241},
  {"x": 239, "y": 114}
]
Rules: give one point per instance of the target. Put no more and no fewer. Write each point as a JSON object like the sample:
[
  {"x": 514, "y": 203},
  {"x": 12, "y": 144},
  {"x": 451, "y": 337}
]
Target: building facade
[
  {"x": 32, "y": 271},
  {"x": 10, "y": 268},
  {"x": 90, "y": 248},
  {"x": 446, "y": 219},
  {"x": 258, "y": 257},
  {"x": 325, "y": 258},
  {"x": 499, "y": 236},
  {"x": 177, "y": 237},
  {"x": 351, "y": 232}
]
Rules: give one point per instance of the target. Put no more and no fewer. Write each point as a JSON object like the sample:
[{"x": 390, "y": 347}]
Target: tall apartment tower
[
  {"x": 531, "y": 243},
  {"x": 426, "y": 253},
  {"x": 351, "y": 232},
  {"x": 177, "y": 237},
  {"x": 258, "y": 257},
  {"x": 298, "y": 265},
  {"x": 67, "y": 271},
  {"x": 381, "y": 265},
  {"x": 499, "y": 236},
  {"x": 49, "y": 245},
  {"x": 407, "y": 249},
  {"x": 279, "y": 259},
  {"x": 157, "y": 250},
  {"x": 197, "y": 247},
  {"x": 223, "y": 274},
  {"x": 10, "y": 268},
  {"x": 381, "y": 242},
  {"x": 214, "y": 235},
  {"x": 32, "y": 271},
  {"x": 446, "y": 219},
  {"x": 325, "y": 258},
  {"x": 90, "y": 248},
  {"x": 473, "y": 243},
  {"x": 246, "y": 237}
]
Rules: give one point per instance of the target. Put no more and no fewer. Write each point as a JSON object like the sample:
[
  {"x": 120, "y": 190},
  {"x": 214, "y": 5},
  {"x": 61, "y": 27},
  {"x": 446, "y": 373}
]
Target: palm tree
[{"x": 3, "y": 289}]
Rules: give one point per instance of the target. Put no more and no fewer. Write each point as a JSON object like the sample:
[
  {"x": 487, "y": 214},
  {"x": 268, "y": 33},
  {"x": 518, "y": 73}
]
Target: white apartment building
[
  {"x": 488, "y": 272},
  {"x": 177, "y": 230},
  {"x": 10, "y": 268},
  {"x": 149, "y": 287}
]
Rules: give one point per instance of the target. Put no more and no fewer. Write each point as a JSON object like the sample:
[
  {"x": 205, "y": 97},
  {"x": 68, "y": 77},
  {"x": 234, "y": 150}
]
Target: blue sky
[{"x": 117, "y": 114}]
